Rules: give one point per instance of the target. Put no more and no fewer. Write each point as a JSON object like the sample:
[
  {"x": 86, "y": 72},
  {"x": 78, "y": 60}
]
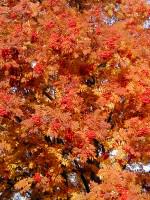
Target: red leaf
[
  {"x": 37, "y": 177},
  {"x": 3, "y": 112}
]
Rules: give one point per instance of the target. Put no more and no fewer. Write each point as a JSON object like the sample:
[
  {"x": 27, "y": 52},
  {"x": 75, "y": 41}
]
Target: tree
[{"x": 74, "y": 99}]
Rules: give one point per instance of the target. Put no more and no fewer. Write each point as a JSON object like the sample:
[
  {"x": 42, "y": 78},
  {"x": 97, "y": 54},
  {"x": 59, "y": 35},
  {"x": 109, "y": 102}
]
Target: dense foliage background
[{"x": 74, "y": 99}]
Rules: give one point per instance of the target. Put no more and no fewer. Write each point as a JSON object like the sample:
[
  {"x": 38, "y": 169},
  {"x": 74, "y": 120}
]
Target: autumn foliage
[{"x": 74, "y": 99}]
